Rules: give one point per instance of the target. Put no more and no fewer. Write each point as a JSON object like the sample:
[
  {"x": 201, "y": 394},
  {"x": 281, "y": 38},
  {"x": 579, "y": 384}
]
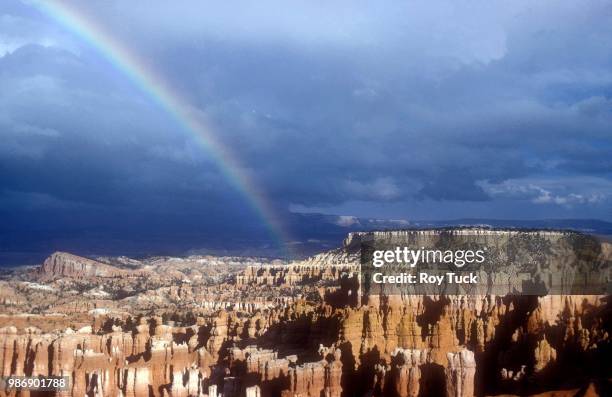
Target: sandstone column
[{"x": 460, "y": 374}]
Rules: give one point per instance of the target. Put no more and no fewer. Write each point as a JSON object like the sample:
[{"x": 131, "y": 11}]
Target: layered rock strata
[{"x": 225, "y": 327}]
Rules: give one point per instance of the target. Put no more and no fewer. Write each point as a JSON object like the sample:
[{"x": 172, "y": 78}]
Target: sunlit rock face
[
  {"x": 528, "y": 262},
  {"x": 62, "y": 264},
  {"x": 221, "y": 326}
]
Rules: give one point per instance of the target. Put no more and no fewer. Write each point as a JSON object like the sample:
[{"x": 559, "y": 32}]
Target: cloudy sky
[{"x": 378, "y": 109}]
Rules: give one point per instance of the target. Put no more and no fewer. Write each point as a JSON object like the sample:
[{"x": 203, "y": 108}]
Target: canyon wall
[{"x": 276, "y": 329}]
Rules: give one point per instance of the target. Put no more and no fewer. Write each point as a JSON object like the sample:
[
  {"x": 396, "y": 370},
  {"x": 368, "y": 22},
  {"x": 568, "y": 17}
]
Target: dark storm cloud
[
  {"x": 66, "y": 142},
  {"x": 407, "y": 108}
]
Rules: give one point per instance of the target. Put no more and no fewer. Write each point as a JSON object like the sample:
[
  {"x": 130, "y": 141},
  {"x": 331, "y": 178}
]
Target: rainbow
[{"x": 154, "y": 86}]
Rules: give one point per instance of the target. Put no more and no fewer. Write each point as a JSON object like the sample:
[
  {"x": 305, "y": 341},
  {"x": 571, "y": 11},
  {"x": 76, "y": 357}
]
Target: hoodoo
[{"x": 231, "y": 326}]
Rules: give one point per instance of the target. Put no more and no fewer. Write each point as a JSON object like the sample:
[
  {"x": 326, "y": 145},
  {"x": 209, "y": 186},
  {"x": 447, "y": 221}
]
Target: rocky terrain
[{"x": 236, "y": 326}]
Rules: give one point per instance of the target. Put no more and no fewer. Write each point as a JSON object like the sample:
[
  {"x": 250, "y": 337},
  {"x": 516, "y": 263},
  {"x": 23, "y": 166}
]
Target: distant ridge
[
  {"x": 313, "y": 233},
  {"x": 591, "y": 226}
]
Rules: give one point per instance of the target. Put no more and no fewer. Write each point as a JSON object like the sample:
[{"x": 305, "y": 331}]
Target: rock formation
[
  {"x": 206, "y": 326},
  {"x": 460, "y": 374},
  {"x": 62, "y": 264}
]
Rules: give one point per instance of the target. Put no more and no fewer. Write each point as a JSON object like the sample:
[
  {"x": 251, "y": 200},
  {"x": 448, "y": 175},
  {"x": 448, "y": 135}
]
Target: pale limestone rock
[{"x": 460, "y": 374}]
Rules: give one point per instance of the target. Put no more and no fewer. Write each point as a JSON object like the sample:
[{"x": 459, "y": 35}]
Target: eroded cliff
[{"x": 182, "y": 328}]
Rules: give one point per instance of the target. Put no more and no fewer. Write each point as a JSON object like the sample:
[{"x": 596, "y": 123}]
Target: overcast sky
[{"x": 412, "y": 109}]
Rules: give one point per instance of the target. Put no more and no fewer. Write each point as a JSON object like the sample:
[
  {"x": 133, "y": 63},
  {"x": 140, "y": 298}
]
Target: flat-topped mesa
[
  {"x": 62, "y": 264},
  {"x": 458, "y": 231},
  {"x": 525, "y": 261},
  {"x": 352, "y": 243}
]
